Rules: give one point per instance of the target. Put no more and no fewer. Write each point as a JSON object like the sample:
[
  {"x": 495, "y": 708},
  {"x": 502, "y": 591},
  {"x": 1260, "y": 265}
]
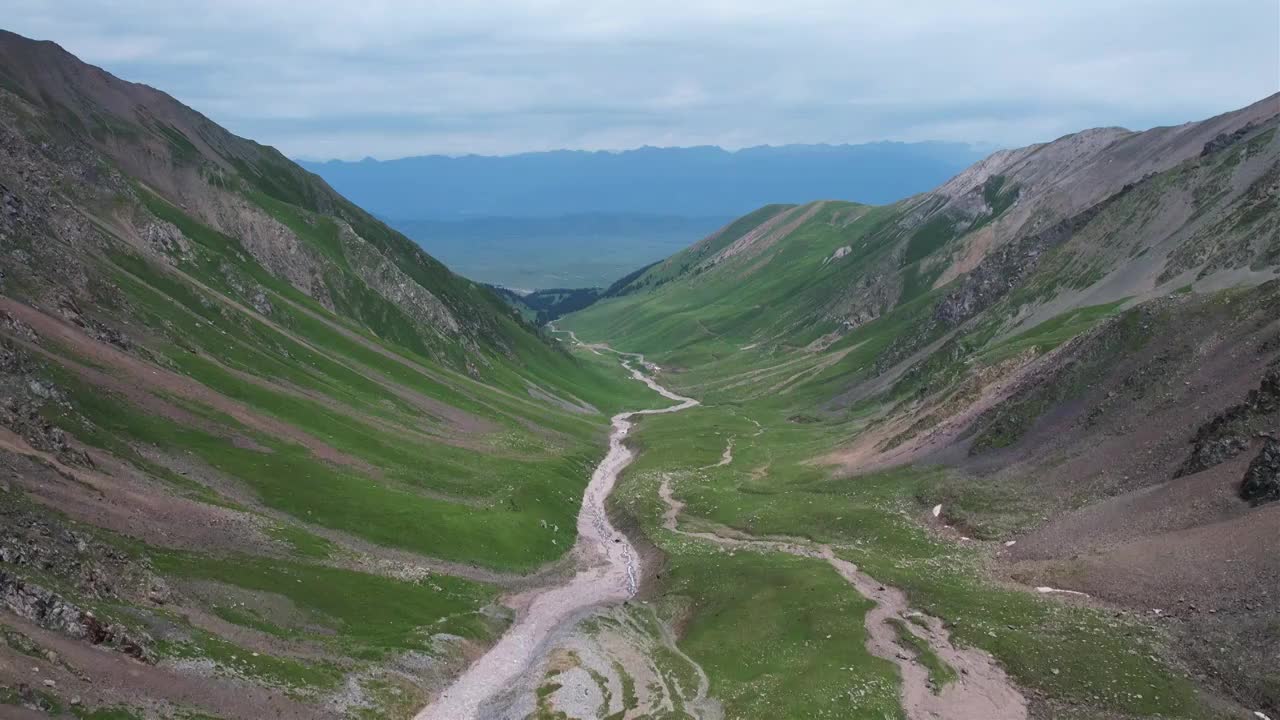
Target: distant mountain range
[
  {"x": 691, "y": 182},
  {"x": 1070, "y": 351},
  {"x": 263, "y": 456},
  {"x": 580, "y": 219}
]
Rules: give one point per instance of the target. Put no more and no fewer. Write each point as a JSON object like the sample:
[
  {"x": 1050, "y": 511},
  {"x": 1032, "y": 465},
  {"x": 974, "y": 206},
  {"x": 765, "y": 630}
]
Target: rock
[
  {"x": 1227, "y": 434},
  {"x": 167, "y": 239},
  {"x": 261, "y": 303},
  {"x": 159, "y": 592},
  {"x": 1262, "y": 479},
  {"x": 52, "y": 612},
  {"x": 1209, "y": 453},
  {"x": 1225, "y": 140},
  {"x": 28, "y": 698}
]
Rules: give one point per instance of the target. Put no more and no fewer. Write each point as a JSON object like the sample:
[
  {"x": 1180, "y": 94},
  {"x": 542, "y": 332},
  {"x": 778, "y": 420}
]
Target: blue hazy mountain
[{"x": 690, "y": 182}]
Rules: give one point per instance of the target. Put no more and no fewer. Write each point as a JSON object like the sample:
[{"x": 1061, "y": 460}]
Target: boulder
[
  {"x": 52, "y": 612},
  {"x": 1262, "y": 480}
]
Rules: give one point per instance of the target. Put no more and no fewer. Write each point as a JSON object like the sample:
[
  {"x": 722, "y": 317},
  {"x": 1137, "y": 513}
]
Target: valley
[
  {"x": 608, "y": 573},
  {"x": 1007, "y": 448}
]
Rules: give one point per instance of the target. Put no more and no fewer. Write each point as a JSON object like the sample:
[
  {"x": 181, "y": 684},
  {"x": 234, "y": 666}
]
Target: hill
[
  {"x": 1038, "y": 399},
  {"x": 262, "y": 455},
  {"x": 1005, "y": 449},
  {"x": 581, "y": 219}
]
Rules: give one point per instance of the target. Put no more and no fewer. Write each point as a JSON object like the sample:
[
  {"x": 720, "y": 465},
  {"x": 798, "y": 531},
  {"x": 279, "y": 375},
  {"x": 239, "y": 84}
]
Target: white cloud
[{"x": 327, "y": 78}]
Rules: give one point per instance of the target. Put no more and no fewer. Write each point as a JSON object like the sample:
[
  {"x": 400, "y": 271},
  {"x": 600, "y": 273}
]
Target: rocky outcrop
[
  {"x": 24, "y": 395},
  {"x": 91, "y": 569},
  {"x": 271, "y": 242},
  {"x": 392, "y": 283},
  {"x": 1008, "y": 266},
  {"x": 1262, "y": 480},
  {"x": 1222, "y": 141},
  {"x": 96, "y": 329},
  {"x": 1227, "y": 434},
  {"x": 167, "y": 241},
  {"x": 52, "y": 612}
]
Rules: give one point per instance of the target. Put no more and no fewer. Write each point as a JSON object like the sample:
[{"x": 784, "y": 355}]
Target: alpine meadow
[{"x": 1004, "y": 445}]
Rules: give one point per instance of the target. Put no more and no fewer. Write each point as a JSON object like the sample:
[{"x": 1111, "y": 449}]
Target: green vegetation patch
[
  {"x": 940, "y": 673},
  {"x": 369, "y": 614},
  {"x": 1083, "y": 656},
  {"x": 239, "y": 661}
]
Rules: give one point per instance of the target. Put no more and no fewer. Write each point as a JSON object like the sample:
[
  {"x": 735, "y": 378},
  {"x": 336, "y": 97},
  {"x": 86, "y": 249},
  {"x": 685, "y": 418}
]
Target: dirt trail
[
  {"x": 981, "y": 690},
  {"x": 726, "y": 457},
  {"x": 608, "y": 573}
]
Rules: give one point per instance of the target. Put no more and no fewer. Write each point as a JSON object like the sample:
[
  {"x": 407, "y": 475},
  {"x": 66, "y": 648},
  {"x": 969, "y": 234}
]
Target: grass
[
  {"x": 238, "y": 661},
  {"x": 505, "y": 531},
  {"x": 1052, "y": 332},
  {"x": 1015, "y": 418},
  {"x": 107, "y": 713},
  {"x": 303, "y": 543},
  {"x": 940, "y": 673},
  {"x": 484, "y": 500},
  {"x": 779, "y": 636},
  {"x": 930, "y": 238},
  {"x": 369, "y": 615},
  {"x": 1078, "y": 655}
]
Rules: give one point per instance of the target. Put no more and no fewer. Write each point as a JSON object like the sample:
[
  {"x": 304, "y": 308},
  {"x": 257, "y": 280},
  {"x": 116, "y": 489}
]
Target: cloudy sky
[{"x": 329, "y": 78}]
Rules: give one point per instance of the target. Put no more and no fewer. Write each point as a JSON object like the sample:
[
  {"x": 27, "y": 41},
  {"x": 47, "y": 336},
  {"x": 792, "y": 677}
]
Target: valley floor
[{"x": 776, "y": 588}]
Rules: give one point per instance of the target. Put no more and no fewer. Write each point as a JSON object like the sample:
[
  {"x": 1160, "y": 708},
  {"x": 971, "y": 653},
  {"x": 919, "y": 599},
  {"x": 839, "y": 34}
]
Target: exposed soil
[
  {"x": 981, "y": 691},
  {"x": 108, "y": 679},
  {"x": 139, "y": 381},
  {"x": 608, "y": 574},
  {"x": 127, "y": 502}
]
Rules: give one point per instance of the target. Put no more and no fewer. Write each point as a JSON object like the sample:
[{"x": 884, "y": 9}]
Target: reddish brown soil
[
  {"x": 114, "y": 679},
  {"x": 140, "y": 381}
]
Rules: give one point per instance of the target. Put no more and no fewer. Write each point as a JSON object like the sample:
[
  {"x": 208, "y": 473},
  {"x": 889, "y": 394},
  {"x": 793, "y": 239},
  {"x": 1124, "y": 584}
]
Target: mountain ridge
[
  {"x": 646, "y": 181},
  {"x": 262, "y": 453},
  {"x": 1027, "y": 362}
]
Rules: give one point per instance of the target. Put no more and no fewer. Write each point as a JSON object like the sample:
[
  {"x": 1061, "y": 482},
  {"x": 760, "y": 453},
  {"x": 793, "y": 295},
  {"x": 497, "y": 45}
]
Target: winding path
[
  {"x": 607, "y": 574},
  {"x": 981, "y": 690}
]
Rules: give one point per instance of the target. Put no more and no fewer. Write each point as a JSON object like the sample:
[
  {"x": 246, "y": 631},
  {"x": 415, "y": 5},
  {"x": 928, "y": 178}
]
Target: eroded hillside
[
  {"x": 262, "y": 456},
  {"x": 1038, "y": 399}
]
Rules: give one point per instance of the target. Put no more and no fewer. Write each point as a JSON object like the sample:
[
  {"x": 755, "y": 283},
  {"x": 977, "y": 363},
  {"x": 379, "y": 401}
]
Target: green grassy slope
[
  {"x": 801, "y": 614},
  {"x": 856, "y": 335},
  {"x": 272, "y": 403}
]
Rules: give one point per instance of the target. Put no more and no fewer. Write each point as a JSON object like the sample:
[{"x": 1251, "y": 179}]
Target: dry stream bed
[{"x": 940, "y": 681}]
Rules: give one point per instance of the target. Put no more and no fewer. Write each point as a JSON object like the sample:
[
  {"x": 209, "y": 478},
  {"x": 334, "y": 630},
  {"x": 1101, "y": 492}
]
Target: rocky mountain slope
[
  {"x": 259, "y": 454},
  {"x": 1062, "y": 361}
]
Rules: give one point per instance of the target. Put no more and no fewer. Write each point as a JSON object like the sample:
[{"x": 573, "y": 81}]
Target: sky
[{"x": 341, "y": 79}]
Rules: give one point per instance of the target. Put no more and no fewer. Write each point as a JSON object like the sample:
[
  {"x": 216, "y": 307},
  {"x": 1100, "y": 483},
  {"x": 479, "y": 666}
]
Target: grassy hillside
[
  {"x": 286, "y": 459},
  {"x": 1036, "y": 349}
]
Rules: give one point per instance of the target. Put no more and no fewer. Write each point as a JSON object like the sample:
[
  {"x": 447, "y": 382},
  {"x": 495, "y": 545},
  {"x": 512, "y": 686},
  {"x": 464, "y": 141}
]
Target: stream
[{"x": 608, "y": 573}]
